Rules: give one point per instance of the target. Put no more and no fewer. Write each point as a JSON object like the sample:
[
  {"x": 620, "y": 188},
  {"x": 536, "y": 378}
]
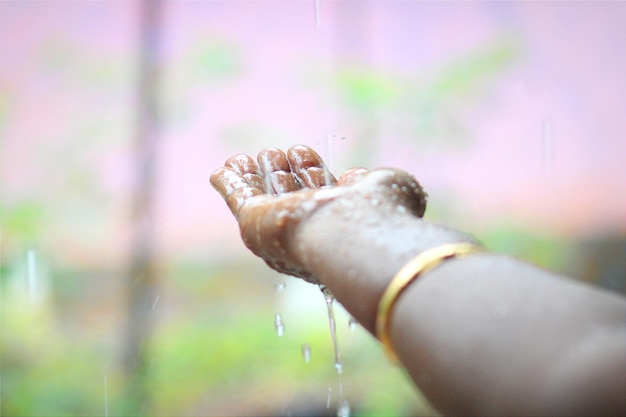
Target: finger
[
  {"x": 351, "y": 175},
  {"x": 248, "y": 169},
  {"x": 233, "y": 188},
  {"x": 309, "y": 167},
  {"x": 277, "y": 172}
]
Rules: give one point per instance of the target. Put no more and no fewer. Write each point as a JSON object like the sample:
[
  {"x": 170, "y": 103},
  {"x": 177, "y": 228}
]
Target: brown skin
[{"x": 481, "y": 335}]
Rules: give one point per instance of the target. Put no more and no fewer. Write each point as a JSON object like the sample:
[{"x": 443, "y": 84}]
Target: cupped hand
[{"x": 273, "y": 197}]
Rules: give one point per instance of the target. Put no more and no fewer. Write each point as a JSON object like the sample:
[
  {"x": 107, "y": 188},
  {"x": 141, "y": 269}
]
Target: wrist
[{"x": 356, "y": 257}]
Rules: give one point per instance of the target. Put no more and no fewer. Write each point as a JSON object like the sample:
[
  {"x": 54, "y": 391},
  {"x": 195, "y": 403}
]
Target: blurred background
[{"x": 125, "y": 288}]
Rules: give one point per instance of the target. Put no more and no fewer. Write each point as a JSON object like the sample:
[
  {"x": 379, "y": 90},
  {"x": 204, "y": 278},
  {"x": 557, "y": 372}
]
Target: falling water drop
[
  {"x": 279, "y": 325},
  {"x": 317, "y": 16},
  {"x": 343, "y": 410},
  {"x": 330, "y": 396},
  {"x": 352, "y": 324},
  {"x": 306, "y": 352},
  {"x": 339, "y": 367},
  {"x": 329, "y": 158},
  {"x": 32, "y": 274},
  {"x": 330, "y": 298},
  {"x": 343, "y": 407},
  {"x": 279, "y": 286}
]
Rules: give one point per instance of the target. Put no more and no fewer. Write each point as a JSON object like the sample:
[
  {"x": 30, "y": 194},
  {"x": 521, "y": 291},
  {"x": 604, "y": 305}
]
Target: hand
[{"x": 273, "y": 199}]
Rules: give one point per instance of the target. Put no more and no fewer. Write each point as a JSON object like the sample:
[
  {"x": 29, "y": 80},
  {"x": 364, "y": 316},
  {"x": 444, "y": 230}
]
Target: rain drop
[
  {"x": 330, "y": 396},
  {"x": 352, "y": 324},
  {"x": 306, "y": 352},
  {"x": 279, "y": 286},
  {"x": 343, "y": 410},
  {"x": 279, "y": 325},
  {"x": 339, "y": 366},
  {"x": 330, "y": 298},
  {"x": 32, "y": 274}
]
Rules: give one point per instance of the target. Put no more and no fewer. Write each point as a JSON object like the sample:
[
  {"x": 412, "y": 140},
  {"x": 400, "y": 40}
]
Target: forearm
[
  {"x": 485, "y": 334},
  {"x": 491, "y": 335}
]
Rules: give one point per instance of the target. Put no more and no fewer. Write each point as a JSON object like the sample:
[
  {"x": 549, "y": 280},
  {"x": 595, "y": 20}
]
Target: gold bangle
[{"x": 422, "y": 263}]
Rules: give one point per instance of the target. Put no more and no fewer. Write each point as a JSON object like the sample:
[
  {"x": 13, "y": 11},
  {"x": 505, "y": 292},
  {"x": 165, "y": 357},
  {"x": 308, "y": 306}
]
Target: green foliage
[
  {"x": 43, "y": 371},
  {"x": 466, "y": 73},
  {"x": 24, "y": 219},
  {"x": 214, "y": 351},
  {"x": 540, "y": 248},
  {"x": 215, "y": 60},
  {"x": 364, "y": 90},
  {"x": 424, "y": 108}
]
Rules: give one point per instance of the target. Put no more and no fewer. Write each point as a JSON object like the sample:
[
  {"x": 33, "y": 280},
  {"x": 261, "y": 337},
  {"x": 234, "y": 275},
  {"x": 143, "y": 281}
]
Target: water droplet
[
  {"x": 328, "y": 296},
  {"x": 343, "y": 410},
  {"x": 375, "y": 202},
  {"x": 329, "y": 159},
  {"x": 404, "y": 189},
  {"x": 339, "y": 367},
  {"x": 317, "y": 17},
  {"x": 401, "y": 209},
  {"x": 330, "y": 396},
  {"x": 394, "y": 186},
  {"x": 279, "y": 325},
  {"x": 31, "y": 270},
  {"x": 279, "y": 286},
  {"x": 352, "y": 324},
  {"x": 306, "y": 352}
]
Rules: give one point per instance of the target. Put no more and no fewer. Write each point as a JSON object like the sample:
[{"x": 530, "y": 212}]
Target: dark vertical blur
[{"x": 142, "y": 277}]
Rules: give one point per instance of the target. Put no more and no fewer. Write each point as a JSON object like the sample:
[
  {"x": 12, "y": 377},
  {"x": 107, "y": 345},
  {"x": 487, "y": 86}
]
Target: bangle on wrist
[{"x": 419, "y": 265}]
